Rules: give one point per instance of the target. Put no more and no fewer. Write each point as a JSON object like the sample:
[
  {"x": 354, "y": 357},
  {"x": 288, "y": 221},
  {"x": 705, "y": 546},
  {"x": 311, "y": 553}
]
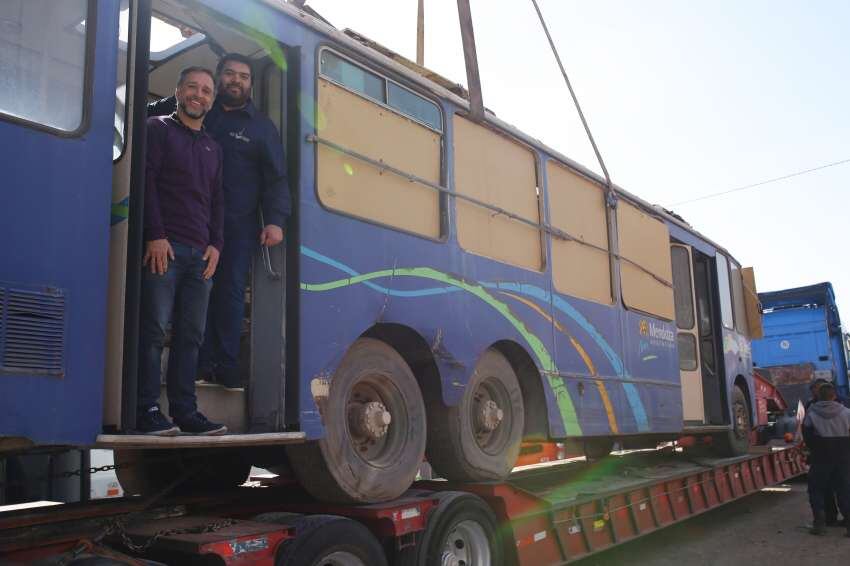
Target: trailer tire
[
  {"x": 147, "y": 472},
  {"x": 379, "y": 461},
  {"x": 461, "y": 528},
  {"x": 736, "y": 441},
  {"x": 479, "y": 439},
  {"x": 329, "y": 540}
]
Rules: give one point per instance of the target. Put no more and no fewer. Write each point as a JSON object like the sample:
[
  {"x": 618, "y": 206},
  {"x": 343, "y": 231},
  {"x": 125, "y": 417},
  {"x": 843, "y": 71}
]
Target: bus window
[
  {"x": 363, "y": 189},
  {"x": 738, "y": 298},
  {"x": 645, "y": 268},
  {"x": 723, "y": 288},
  {"x": 498, "y": 171},
  {"x": 120, "y": 130},
  {"x": 42, "y": 61},
  {"x": 577, "y": 207}
]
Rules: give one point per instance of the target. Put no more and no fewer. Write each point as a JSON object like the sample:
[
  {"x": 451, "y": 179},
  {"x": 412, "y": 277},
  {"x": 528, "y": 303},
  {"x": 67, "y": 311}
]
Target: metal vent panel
[{"x": 32, "y": 331}]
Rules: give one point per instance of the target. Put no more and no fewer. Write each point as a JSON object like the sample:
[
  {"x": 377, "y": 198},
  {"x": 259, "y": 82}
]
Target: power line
[{"x": 745, "y": 187}]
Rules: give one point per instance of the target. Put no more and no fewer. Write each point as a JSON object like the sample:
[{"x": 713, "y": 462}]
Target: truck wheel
[
  {"x": 326, "y": 540},
  {"x": 374, "y": 421},
  {"x": 147, "y": 472},
  {"x": 736, "y": 441},
  {"x": 462, "y": 529},
  {"x": 479, "y": 438},
  {"x": 597, "y": 448}
]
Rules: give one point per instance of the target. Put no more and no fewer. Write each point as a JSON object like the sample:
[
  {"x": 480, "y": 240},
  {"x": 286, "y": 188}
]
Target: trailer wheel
[
  {"x": 374, "y": 421},
  {"x": 146, "y": 472},
  {"x": 326, "y": 540},
  {"x": 479, "y": 438},
  {"x": 462, "y": 529},
  {"x": 736, "y": 441}
]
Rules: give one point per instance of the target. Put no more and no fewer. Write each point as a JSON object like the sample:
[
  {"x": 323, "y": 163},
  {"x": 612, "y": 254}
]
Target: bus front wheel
[
  {"x": 374, "y": 420},
  {"x": 736, "y": 441}
]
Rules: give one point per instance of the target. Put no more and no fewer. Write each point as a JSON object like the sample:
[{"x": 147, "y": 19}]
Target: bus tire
[
  {"x": 374, "y": 420},
  {"x": 462, "y": 529},
  {"x": 479, "y": 438},
  {"x": 327, "y": 539},
  {"x": 736, "y": 441},
  {"x": 147, "y": 472}
]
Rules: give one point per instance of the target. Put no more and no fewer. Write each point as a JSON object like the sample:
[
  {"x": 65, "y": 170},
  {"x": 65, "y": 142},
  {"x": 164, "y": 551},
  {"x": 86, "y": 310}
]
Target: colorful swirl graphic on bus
[{"x": 522, "y": 293}]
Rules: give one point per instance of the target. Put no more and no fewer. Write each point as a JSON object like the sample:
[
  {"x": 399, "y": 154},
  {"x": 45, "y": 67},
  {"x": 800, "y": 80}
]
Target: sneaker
[
  {"x": 197, "y": 423},
  {"x": 205, "y": 376},
  {"x": 229, "y": 378},
  {"x": 152, "y": 422}
]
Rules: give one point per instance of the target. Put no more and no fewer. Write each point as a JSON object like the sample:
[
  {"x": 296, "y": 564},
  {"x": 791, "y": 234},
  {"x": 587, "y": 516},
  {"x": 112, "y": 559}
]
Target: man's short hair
[
  {"x": 816, "y": 384},
  {"x": 826, "y": 392},
  {"x": 185, "y": 72},
  {"x": 239, "y": 58}
]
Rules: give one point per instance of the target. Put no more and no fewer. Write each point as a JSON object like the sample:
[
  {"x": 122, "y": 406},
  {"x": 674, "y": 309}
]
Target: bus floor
[{"x": 769, "y": 527}]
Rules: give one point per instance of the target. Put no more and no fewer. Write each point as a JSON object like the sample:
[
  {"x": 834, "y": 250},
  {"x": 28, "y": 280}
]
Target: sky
[{"x": 684, "y": 98}]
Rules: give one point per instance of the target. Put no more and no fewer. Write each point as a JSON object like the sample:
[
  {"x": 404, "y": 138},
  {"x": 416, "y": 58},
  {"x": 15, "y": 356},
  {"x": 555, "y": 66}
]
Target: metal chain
[{"x": 117, "y": 528}]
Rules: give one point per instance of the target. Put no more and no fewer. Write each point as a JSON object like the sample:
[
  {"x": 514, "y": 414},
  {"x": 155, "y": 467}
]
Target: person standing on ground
[
  {"x": 183, "y": 231},
  {"x": 254, "y": 187},
  {"x": 826, "y": 430}
]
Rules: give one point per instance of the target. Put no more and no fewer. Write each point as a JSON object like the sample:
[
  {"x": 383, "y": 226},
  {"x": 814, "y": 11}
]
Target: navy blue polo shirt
[
  {"x": 184, "y": 200},
  {"x": 254, "y": 167}
]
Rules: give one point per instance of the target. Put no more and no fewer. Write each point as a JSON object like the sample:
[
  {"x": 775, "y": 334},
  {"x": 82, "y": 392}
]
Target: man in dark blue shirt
[
  {"x": 254, "y": 187},
  {"x": 183, "y": 231}
]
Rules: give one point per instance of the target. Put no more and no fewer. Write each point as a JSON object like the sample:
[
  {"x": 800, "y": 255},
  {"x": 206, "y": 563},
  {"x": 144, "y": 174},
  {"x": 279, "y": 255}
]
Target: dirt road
[{"x": 770, "y": 527}]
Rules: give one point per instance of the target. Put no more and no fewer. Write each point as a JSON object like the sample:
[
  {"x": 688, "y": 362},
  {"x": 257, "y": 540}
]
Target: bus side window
[
  {"x": 498, "y": 171},
  {"x": 646, "y": 269},
  {"x": 724, "y": 291},
  {"x": 43, "y": 61}
]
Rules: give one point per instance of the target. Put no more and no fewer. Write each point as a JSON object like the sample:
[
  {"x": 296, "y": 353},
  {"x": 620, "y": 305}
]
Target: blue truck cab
[{"x": 803, "y": 340}]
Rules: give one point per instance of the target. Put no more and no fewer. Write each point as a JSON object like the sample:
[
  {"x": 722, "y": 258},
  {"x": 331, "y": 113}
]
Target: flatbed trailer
[{"x": 544, "y": 515}]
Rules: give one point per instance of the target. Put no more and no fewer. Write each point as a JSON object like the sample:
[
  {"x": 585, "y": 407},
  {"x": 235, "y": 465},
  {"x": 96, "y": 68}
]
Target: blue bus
[
  {"x": 448, "y": 287},
  {"x": 803, "y": 340}
]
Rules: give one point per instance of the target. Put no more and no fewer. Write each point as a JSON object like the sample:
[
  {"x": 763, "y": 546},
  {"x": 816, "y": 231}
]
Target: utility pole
[
  {"x": 420, "y": 35},
  {"x": 473, "y": 80}
]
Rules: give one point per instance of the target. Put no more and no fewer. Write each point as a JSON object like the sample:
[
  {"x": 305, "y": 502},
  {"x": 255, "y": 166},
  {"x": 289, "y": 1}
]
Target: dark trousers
[
  {"x": 220, "y": 351},
  {"x": 183, "y": 292},
  {"x": 828, "y": 476}
]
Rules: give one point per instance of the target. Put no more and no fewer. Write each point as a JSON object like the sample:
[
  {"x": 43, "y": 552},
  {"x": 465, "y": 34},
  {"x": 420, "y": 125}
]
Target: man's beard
[
  {"x": 232, "y": 101},
  {"x": 195, "y": 115}
]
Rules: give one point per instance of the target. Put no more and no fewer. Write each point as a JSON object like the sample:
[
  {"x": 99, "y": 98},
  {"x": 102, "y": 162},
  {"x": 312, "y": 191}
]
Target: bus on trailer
[{"x": 448, "y": 288}]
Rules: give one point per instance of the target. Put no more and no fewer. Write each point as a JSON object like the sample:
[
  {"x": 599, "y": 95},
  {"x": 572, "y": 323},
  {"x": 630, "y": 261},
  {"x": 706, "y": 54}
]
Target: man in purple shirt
[{"x": 184, "y": 222}]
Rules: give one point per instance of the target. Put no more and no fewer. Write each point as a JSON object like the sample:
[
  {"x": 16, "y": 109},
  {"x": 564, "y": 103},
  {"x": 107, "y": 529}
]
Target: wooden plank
[{"x": 139, "y": 441}]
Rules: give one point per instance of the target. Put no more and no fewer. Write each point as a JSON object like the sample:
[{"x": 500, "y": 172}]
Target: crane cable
[{"x": 608, "y": 184}]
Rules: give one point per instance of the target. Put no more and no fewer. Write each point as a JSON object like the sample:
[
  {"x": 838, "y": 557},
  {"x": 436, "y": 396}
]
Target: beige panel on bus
[
  {"x": 645, "y": 241},
  {"x": 751, "y": 300},
  {"x": 500, "y": 172},
  {"x": 355, "y": 187},
  {"x": 577, "y": 207}
]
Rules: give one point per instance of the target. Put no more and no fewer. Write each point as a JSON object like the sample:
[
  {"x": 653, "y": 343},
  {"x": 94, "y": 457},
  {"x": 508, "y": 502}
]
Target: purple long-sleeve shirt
[{"x": 184, "y": 201}]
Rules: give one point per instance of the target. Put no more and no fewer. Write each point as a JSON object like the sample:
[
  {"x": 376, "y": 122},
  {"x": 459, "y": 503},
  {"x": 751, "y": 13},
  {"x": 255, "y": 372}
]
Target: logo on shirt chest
[{"x": 240, "y": 135}]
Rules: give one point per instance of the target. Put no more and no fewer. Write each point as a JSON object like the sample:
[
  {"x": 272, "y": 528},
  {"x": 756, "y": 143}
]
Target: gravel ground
[{"x": 770, "y": 527}]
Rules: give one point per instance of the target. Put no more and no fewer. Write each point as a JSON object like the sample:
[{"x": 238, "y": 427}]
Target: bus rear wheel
[
  {"x": 374, "y": 421},
  {"x": 479, "y": 438},
  {"x": 736, "y": 441}
]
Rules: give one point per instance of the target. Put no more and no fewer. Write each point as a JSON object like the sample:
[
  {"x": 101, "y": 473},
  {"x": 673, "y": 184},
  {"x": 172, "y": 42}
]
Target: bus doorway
[{"x": 184, "y": 35}]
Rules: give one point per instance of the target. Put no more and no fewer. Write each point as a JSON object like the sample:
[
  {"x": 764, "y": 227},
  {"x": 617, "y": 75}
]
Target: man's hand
[
  {"x": 158, "y": 252},
  {"x": 271, "y": 235},
  {"x": 211, "y": 257}
]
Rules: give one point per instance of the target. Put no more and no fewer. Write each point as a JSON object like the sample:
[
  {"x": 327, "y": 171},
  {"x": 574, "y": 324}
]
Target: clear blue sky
[{"x": 685, "y": 99}]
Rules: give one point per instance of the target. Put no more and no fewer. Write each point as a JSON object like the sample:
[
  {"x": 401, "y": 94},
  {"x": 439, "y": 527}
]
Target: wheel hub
[
  {"x": 370, "y": 420},
  {"x": 489, "y": 416}
]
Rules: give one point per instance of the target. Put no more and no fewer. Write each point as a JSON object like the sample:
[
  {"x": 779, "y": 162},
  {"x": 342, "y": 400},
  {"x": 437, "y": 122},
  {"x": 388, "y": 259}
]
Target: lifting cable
[{"x": 608, "y": 184}]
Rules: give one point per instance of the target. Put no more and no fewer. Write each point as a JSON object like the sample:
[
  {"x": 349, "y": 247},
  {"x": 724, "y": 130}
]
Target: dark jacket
[
  {"x": 826, "y": 430},
  {"x": 254, "y": 175}
]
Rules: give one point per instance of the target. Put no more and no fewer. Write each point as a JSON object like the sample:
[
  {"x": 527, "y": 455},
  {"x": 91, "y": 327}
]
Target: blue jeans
[
  {"x": 220, "y": 351},
  {"x": 183, "y": 291}
]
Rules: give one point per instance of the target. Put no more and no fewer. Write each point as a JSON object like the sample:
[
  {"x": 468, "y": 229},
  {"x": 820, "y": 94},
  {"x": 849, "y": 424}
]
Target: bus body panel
[{"x": 55, "y": 225}]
